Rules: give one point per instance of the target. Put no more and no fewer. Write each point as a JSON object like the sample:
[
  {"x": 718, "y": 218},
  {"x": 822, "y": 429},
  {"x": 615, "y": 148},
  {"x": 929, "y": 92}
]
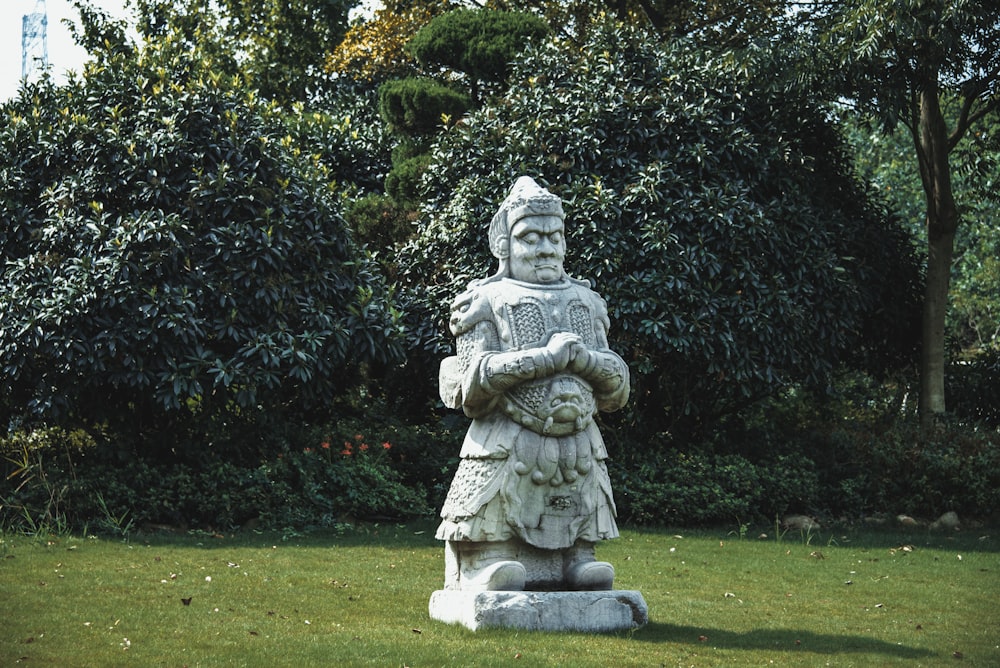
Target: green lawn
[{"x": 851, "y": 598}]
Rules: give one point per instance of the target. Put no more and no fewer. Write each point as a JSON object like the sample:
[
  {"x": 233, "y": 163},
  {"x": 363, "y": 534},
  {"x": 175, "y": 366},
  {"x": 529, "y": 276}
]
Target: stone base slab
[{"x": 587, "y": 611}]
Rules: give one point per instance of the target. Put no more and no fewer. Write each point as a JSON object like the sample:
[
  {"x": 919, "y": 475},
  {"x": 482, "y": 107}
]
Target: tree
[
  {"x": 374, "y": 50},
  {"x": 462, "y": 46},
  {"x": 973, "y": 323},
  {"x": 479, "y": 44},
  {"x": 906, "y": 62},
  {"x": 168, "y": 251},
  {"x": 721, "y": 221},
  {"x": 280, "y": 47}
]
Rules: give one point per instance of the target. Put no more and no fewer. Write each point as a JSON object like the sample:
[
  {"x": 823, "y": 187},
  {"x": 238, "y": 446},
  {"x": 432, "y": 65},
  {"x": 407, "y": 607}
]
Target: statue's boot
[
  {"x": 491, "y": 567},
  {"x": 582, "y": 571}
]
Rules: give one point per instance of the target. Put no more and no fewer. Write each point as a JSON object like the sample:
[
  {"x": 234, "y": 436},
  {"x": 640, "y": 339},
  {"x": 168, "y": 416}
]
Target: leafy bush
[
  {"x": 378, "y": 221},
  {"x": 479, "y": 43},
  {"x": 695, "y": 489},
  {"x": 973, "y": 388},
  {"x": 721, "y": 222},
  {"x": 165, "y": 250},
  {"x": 73, "y": 481},
  {"x": 344, "y": 133},
  {"x": 900, "y": 468}
]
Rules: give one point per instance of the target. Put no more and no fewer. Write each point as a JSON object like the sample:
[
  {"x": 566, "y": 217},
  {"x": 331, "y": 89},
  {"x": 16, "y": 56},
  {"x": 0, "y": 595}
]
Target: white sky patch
[{"x": 64, "y": 54}]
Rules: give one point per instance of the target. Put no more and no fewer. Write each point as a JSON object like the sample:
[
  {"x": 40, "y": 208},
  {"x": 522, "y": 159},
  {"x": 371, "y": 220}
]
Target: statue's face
[{"x": 537, "y": 249}]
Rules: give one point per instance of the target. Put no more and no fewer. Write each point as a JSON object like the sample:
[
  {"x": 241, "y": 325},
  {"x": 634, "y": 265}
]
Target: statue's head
[{"x": 527, "y": 234}]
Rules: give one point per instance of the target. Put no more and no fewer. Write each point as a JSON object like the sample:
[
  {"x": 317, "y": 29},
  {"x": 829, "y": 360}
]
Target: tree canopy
[
  {"x": 905, "y": 62},
  {"x": 280, "y": 47}
]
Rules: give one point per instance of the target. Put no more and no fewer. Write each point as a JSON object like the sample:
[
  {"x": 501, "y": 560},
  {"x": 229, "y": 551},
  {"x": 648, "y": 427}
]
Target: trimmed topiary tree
[{"x": 479, "y": 43}]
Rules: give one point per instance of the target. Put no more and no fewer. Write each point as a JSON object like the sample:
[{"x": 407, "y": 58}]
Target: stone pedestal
[{"x": 586, "y": 611}]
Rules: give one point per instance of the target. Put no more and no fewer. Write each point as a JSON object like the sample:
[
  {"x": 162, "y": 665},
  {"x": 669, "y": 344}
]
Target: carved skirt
[{"x": 549, "y": 491}]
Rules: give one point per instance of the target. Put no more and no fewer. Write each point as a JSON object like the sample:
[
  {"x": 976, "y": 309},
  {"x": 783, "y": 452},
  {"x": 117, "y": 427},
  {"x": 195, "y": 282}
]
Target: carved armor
[{"x": 533, "y": 459}]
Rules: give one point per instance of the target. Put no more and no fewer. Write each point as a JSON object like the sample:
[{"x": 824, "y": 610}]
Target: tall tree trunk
[{"x": 942, "y": 221}]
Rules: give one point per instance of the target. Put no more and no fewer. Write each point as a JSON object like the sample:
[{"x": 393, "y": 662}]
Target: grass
[{"x": 854, "y": 598}]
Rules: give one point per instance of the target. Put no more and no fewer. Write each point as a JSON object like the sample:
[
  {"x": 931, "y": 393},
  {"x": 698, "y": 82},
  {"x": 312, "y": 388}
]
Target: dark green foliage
[
  {"x": 344, "y": 133},
  {"x": 166, "y": 250},
  {"x": 975, "y": 386},
  {"x": 900, "y": 468},
  {"x": 403, "y": 182},
  {"x": 720, "y": 221},
  {"x": 416, "y": 106},
  {"x": 378, "y": 221},
  {"x": 279, "y": 48},
  {"x": 690, "y": 490},
  {"x": 477, "y": 42},
  {"x": 73, "y": 481}
]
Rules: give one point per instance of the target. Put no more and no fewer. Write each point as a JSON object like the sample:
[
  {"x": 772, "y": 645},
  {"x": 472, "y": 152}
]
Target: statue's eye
[
  {"x": 555, "y": 237},
  {"x": 530, "y": 238}
]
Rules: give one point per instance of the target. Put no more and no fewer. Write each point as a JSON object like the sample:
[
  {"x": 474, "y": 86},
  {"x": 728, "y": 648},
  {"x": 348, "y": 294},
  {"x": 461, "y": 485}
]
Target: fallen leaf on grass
[
  {"x": 958, "y": 655},
  {"x": 187, "y": 601},
  {"x": 702, "y": 638},
  {"x": 416, "y": 630}
]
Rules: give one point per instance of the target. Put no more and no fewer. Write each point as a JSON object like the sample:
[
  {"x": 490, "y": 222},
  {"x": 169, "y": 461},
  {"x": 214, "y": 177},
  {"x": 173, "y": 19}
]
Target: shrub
[
  {"x": 695, "y": 489},
  {"x": 901, "y": 468},
  {"x": 166, "y": 251},
  {"x": 416, "y": 106},
  {"x": 722, "y": 223},
  {"x": 479, "y": 43},
  {"x": 973, "y": 389},
  {"x": 73, "y": 481}
]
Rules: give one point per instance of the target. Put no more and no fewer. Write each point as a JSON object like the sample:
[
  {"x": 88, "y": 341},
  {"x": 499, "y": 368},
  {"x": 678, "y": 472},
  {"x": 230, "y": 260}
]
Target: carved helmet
[{"x": 526, "y": 198}]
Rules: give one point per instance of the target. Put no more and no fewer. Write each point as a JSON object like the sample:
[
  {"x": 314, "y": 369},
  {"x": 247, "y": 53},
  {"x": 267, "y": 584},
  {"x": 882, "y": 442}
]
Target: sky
[{"x": 63, "y": 53}]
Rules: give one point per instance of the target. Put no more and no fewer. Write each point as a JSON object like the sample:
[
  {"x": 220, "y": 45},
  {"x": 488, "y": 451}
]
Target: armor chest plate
[{"x": 528, "y": 315}]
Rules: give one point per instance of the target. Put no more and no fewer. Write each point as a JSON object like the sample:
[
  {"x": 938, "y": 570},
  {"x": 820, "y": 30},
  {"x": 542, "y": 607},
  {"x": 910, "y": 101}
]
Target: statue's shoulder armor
[
  {"x": 584, "y": 292},
  {"x": 470, "y": 308}
]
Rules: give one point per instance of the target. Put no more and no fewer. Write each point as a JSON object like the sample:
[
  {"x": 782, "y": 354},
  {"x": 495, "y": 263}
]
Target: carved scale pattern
[
  {"x": 582, "y": 323},
  {"x": 527, "y": 324}
]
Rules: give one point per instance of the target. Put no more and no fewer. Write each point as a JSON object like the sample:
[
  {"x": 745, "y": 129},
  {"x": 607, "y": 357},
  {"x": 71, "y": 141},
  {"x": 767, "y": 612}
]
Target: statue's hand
[
  {"x": 582, "y": 360},
  {"x": 562, "y": 346}
]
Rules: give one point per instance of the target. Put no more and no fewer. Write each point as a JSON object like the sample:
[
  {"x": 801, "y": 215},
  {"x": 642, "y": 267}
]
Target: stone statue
[{"x": 531, "y": 496}]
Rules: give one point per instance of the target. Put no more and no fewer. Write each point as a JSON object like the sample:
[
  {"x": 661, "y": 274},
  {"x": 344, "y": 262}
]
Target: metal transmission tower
[{"x": 34, "y": 41}]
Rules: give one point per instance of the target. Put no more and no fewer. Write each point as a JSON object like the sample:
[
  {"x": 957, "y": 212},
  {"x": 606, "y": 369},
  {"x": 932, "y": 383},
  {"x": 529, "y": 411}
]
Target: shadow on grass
[{"x": 784, "y": 640}]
